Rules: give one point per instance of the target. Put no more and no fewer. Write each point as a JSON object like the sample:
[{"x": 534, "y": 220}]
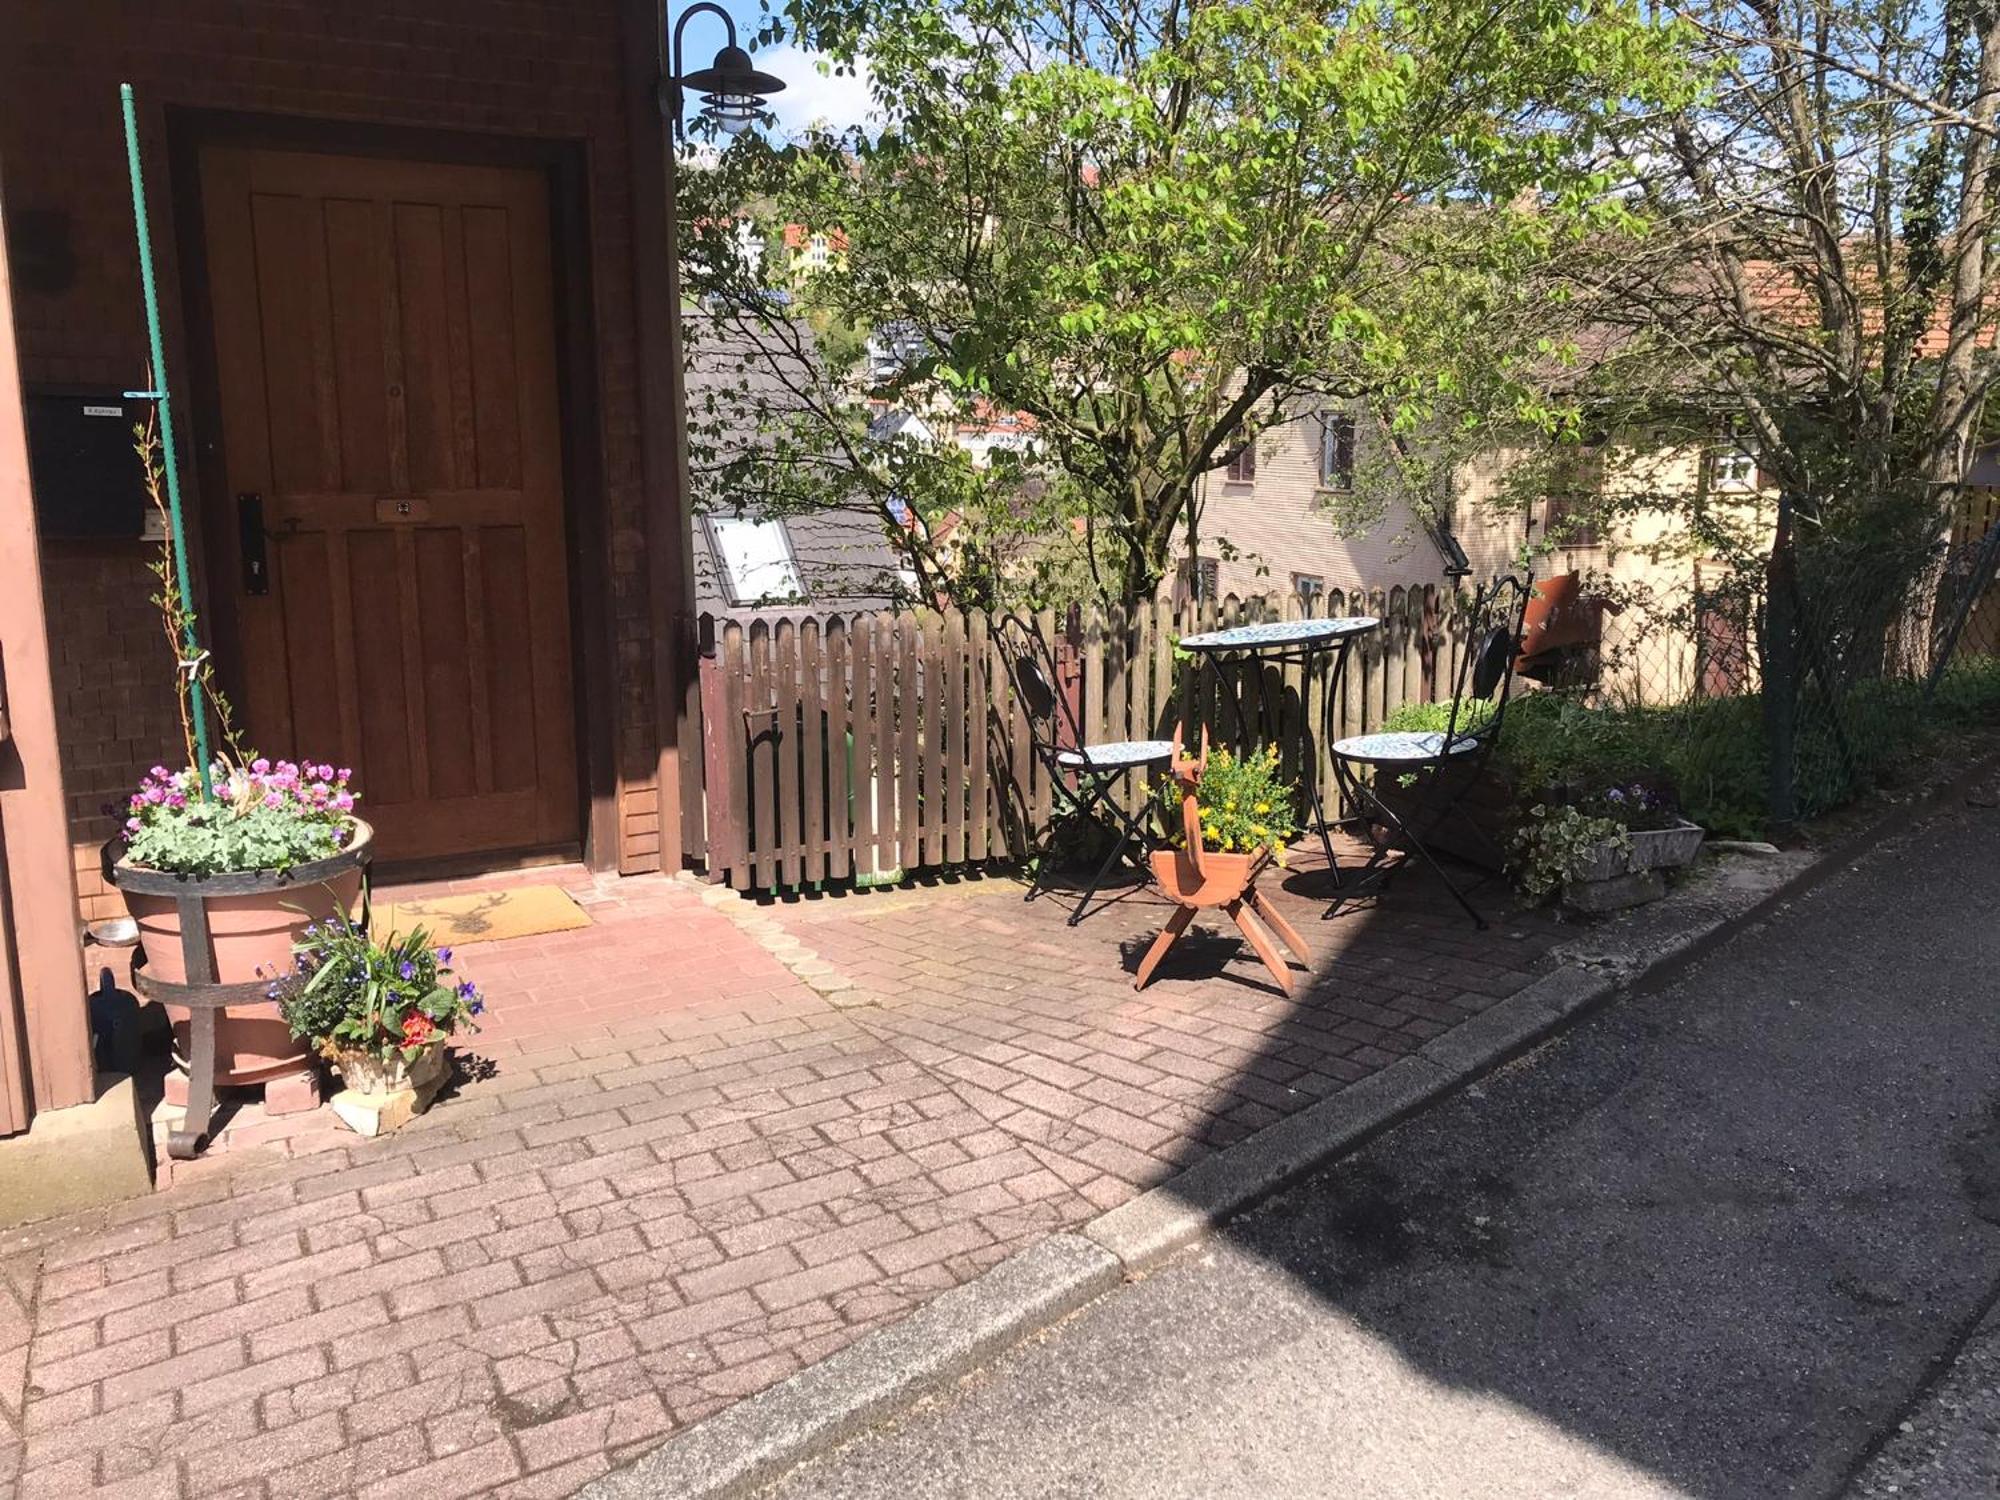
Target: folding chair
[
  {"x": 1097, "y": 769},
  {"x": 1445, "y": 765}
]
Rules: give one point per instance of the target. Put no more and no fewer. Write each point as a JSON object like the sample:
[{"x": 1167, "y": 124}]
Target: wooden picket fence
[{"x": 839, "y": 747}]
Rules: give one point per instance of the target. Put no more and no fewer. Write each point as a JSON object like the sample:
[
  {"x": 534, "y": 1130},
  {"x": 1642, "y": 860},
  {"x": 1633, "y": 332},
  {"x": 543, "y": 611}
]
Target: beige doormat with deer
[{"x": 482, "y": 916}]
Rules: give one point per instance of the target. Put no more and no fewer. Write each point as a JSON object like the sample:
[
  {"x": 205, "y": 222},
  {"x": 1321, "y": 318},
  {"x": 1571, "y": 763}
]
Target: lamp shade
[{"x": 731, "y": 76}]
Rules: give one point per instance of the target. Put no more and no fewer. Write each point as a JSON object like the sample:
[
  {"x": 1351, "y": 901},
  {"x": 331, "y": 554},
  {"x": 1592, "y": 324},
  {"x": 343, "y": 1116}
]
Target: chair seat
[
  {"x": 1118, "y": 754},
  {"x": 1400, "y": 747}
]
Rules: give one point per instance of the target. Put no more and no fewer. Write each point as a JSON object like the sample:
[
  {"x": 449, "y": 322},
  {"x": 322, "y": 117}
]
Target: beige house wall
[{"x": 1265, "y": 532}]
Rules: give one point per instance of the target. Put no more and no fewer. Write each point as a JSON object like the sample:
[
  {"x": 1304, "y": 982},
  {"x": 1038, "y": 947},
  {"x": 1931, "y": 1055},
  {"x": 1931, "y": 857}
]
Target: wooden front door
[{"x": 386, "y": 362}]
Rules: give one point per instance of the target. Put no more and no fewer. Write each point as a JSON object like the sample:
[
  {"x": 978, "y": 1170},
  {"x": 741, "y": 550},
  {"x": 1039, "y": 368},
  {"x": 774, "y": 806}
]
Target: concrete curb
[{"x": 757, "y": 1440}]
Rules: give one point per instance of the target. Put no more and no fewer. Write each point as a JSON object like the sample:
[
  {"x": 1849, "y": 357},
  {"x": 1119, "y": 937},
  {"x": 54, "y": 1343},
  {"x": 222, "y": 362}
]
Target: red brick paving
[{"x": 682, "y": 1175}]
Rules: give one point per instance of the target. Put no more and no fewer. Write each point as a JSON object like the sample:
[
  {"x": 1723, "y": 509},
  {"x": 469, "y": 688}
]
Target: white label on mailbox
[{"x": 104, "y": 411}]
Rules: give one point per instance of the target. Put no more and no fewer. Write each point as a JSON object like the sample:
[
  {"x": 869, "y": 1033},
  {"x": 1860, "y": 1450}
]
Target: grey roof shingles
[{"x": 844, "y": 558}]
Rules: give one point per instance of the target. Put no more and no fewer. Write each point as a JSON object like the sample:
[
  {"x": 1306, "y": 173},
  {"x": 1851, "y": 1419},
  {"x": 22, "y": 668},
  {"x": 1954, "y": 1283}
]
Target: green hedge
[{"x": 1712, "y": 751}]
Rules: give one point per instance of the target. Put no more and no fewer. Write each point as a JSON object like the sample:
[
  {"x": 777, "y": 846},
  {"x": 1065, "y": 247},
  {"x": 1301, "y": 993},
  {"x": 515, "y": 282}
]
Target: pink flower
[
  {"x": 259, "y": 766},
  {"x": 343, "y": 774}
]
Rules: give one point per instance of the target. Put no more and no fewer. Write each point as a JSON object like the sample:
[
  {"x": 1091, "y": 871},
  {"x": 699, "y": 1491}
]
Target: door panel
[{"x": 386, "y": 358}]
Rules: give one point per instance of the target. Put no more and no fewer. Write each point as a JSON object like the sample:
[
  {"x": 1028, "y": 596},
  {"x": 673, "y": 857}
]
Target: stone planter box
[
  {"x": 1477, "y": 833},
  {"x": 1613, "y": 879}
]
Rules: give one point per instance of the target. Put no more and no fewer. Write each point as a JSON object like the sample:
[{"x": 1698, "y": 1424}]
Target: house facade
[
  {"x": 416, "y": 269},
  {"x": 1277, "y": 519}
]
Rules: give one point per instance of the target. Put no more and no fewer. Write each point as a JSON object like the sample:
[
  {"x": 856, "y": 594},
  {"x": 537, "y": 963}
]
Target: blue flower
[
  {"x": 478, "y": 1006},
  {"x": 407, "y": 969},
  {"x": 444, "y": 955}
]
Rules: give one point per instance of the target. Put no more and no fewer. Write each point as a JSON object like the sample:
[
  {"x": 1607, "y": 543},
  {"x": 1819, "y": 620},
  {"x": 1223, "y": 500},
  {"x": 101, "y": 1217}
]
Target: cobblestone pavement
[{"x": 706, "y": 1150}]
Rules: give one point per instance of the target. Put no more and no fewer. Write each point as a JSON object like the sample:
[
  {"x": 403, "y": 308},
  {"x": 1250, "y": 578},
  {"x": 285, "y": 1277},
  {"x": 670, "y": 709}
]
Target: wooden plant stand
[{"x": 1199, "y": 879}]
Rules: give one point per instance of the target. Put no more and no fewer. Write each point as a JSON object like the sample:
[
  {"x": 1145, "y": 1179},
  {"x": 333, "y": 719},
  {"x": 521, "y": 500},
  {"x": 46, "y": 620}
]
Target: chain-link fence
[{"x": 1780, "y": 688}]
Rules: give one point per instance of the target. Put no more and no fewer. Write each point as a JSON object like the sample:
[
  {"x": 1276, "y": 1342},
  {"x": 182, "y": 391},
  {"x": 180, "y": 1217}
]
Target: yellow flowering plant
[{"x": 1244, "y": 802}]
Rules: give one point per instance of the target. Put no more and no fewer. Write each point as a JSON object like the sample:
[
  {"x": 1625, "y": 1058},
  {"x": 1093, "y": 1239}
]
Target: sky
[{"x": 808, "y": 97}]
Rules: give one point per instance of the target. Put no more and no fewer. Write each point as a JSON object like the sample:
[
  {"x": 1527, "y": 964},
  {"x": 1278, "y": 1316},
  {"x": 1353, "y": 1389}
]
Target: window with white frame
[
  {"x": 1311, "y": 589},
  {"x": 755, "y": 560},
  {"x": 1336, "y": 452},
  {"x": 1732, "y": 471}
]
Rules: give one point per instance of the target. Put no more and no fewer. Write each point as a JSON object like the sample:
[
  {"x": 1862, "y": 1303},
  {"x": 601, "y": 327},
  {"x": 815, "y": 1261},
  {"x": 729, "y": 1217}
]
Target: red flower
[{"x": 417, "y": 1029}]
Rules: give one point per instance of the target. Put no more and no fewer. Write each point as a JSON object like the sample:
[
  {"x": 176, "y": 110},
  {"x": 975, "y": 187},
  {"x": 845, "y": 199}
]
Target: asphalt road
[{"x": 1712, "y": 1243}]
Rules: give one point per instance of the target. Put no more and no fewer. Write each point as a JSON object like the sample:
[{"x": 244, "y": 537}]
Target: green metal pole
[{"x": 191, "y": 646}]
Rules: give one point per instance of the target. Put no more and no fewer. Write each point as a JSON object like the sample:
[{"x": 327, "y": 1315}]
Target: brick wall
[
  {"x": 549, "y": 69},
  {"x": 115, "y": 713}
]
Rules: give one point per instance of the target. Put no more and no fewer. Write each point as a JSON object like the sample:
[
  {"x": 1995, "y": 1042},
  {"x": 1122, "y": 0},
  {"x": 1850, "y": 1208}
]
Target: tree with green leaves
[
  {"x": 1158, "y": 228},
  {"x": 1815, "y": 288}
]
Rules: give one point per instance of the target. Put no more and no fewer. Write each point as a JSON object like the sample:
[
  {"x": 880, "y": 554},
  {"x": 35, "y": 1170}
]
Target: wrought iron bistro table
[{"x": 1289, "y": 643}]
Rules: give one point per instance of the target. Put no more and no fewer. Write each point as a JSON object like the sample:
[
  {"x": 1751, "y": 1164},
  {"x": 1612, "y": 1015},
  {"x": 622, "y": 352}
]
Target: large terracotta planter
[{"x": 253, "y": 920}]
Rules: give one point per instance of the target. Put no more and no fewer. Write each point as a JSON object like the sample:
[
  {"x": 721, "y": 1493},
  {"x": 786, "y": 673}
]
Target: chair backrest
[
  {"x": 1498, "y": 618},
  {"x": 1052, "y": 725},
  {"x": 1038, "y": 694}
]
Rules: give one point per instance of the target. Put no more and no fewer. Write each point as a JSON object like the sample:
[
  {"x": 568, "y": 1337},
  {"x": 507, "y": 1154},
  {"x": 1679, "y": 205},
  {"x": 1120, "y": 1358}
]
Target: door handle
[{"x": 251, "y": 543}]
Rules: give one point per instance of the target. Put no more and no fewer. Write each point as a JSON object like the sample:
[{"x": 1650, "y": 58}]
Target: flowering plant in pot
[
  {"x": 1243, "y": 804},
  {"x": 224, "y": 860},
  {"x": 381, "y": 1011},
  {"x": 1605, "y": 847},
  {"x": 1234, "y": 816}
]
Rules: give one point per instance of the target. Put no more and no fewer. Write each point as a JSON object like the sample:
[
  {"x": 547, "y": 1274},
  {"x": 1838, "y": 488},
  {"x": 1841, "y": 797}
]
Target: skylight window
[{"x": 755, "y": 559}]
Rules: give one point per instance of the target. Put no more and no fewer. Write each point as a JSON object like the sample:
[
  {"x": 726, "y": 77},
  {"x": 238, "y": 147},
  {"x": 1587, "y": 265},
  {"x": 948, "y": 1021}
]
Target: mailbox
[{"x": 86, "y": 474}]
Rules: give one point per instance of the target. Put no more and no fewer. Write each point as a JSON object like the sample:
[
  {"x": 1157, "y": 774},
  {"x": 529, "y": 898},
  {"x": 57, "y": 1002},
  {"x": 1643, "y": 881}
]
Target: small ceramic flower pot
[{"x": 367, "y": 1074}]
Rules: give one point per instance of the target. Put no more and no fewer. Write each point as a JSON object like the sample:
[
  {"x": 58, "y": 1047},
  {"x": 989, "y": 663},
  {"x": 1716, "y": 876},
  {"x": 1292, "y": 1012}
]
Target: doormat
[{"x": 483, "y": 916}]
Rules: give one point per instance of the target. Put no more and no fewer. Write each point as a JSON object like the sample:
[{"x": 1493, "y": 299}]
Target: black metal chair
[
  {"x": 1438, "y": 767},
  {"x": 1097, "y": 769}
]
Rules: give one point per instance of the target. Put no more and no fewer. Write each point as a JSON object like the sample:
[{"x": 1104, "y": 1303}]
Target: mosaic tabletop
[{"x": 1273, "y": 633}]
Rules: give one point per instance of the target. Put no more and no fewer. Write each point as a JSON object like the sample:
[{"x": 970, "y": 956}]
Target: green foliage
[
  {"x": 260, "y": 816},
  {"x": 1435, "y": 718},
  {"x": 1158, "y": 230},
  {"x": 347, "y": 992},
  {"x": 1709, "y": 756},
  {"x": 1553, "y": 844},
  {"x": 1244, "y": 802},
  {"x": 1968, "y": 694}
]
